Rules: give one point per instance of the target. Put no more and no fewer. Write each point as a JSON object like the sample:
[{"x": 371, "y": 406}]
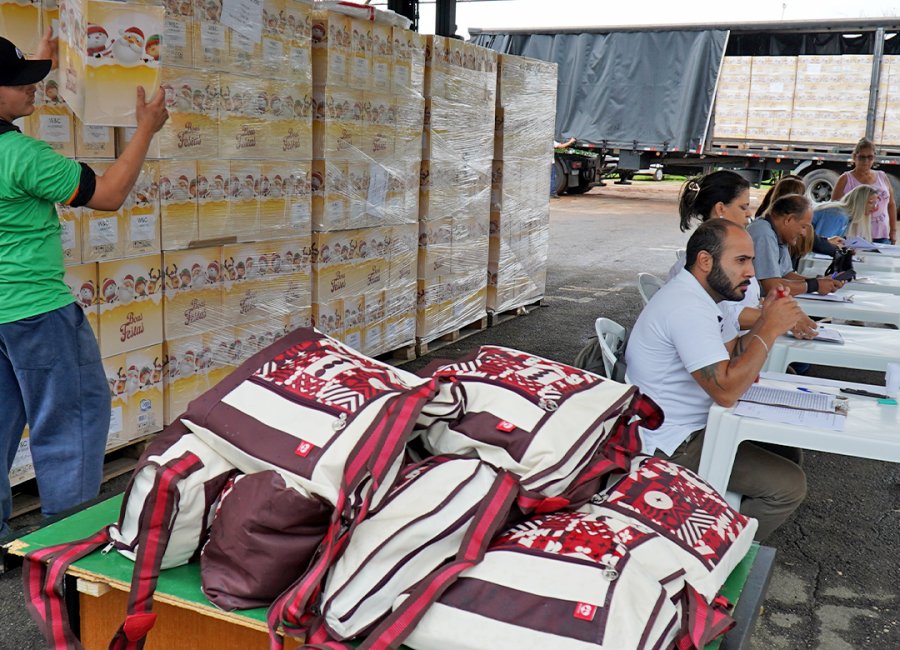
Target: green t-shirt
[{"x": 32, "y": 178}]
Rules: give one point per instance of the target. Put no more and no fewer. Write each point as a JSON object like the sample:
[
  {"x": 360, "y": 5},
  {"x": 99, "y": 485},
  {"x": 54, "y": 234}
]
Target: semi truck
[{"x": 759, "y": 98}]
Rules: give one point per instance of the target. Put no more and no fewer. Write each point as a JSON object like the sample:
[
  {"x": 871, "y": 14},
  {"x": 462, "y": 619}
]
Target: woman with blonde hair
[
  {"x": 852, "y": 212},
  {"x": 883, "y": 219}
]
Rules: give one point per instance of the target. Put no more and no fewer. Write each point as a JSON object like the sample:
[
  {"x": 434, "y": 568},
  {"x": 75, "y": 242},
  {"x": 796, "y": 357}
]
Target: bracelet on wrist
[
  {"x": 765, "y": 345},
  {"x": 812, "y": 285}
]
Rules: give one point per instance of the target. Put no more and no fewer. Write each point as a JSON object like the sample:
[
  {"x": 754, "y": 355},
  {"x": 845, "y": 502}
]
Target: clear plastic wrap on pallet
[
  {"x": 70, "y": 233},
  {"x": 106, "y": 50},
  {"x": 520, "y": 214},
  {"x": 365, "y": 180},
  {"x": 455, "y": 186},
  {"x": 130, "y": 231},
  {"x": 135, "y": 381},
  {"x": 178, "y": 29}
]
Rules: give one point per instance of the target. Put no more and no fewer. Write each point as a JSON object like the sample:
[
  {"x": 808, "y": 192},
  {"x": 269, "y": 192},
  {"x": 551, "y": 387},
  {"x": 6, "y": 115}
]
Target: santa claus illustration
[{"x": 128, "y": 49}]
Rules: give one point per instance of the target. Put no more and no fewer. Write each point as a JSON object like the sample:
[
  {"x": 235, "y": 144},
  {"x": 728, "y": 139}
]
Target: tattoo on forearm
[{"x": 709, "y": 374}]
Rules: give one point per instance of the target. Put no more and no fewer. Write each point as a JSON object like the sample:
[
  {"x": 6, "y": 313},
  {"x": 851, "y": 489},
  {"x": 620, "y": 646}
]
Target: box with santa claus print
[
  {"x": 243, "y": 200},
  {"x": 94, "y": 141},
  {"x": 70, "y": 233},
  {"x": 178, "y": 33},
  {"x": 82, "y": 282},
  {"x": 20, "y": 23},
  {"x": 186, "y": 364},
  {"x": 52, "y": 120},
  {"x": 192, "y": 130},
  {"x": 131, "y": 314},
  {"x": 142, "y": 213},
  {"x": 102, "y": 232},
  {"x": 193, "y": 295},
  {"x": 244, "y": 116},
  {"x": 136, "y": 392},
  {"x": 177, "y": 205},
  {"x": 212, "y": 203},
  {"x": 106, "y": 50}
]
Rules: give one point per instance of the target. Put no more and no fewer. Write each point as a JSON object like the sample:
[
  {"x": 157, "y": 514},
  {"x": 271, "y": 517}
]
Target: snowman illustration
[{"x": 97, "y": 38}]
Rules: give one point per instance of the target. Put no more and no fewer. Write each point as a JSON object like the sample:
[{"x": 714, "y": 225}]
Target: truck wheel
[
  {"x": 657, "y": 173},
  {"x": 820, "y": 183},
  {"x": 562, "y": 179}
]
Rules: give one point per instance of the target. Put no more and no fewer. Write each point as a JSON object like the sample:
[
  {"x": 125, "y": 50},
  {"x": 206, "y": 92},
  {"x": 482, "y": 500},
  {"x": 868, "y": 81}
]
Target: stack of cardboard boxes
[
  {"x": 455, "y": 195},
  {"x": 831, "y": 96},
  {"x": 369, "y": 106},
  {"x": 523, "y": 152},
  {"x": 771, "y": 102},
  {"x": 733, "y": 97},
  {"x": 887, "y": 115}
]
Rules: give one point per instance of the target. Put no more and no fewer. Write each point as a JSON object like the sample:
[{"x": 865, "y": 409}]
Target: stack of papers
[
  {"x": 828, "y": 297},
  {"x": 860, "y": 244},
  {"x": 826, "y": 335},
  {"x": 807, "y": 409}
]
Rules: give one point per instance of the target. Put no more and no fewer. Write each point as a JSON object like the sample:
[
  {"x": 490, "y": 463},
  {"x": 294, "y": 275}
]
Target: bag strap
[
  {"x": 374, "y": 457},
  {"x": 491, "y": 514},
  {"x": 44, "y": 570},
  {"x": 43, "y": 575},
  {"x": 703, "y": 622}
]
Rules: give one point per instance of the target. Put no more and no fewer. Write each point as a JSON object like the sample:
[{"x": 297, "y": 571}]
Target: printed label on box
[
  {"x": 116, "y": 420},
  {"x": 55, "y": 128},
  {"x": 95, "y": 134},
  {"x": 68, "y": 234},
  {"x": 175, "y": 33},
  {"x": 143, "y": 227},
  {"x": 104, "y": 231}
]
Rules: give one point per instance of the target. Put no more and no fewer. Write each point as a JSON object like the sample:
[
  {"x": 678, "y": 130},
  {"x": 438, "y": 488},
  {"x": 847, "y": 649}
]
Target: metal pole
[
  {"x": 445, "y": 18},
  {"x": 408, "y": 8},
  {"x": 877, "y": 56}
]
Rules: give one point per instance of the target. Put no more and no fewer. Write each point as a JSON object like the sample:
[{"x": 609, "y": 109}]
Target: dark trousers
[
  {"x": 773, "y": 485},
  {"x": 51, "y": 378}
]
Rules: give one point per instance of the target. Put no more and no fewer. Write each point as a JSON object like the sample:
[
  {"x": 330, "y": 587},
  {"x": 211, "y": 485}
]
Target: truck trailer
[{"x": 759, "y": 98}]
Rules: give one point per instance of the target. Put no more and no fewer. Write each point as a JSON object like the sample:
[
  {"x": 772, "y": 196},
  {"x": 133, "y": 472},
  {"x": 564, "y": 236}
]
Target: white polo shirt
[{"x": 679, "y": 331}]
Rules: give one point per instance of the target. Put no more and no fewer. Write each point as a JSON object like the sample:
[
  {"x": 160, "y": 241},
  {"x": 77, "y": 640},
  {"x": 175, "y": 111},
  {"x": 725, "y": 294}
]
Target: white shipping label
[
  {"x": 273, "y": 51},
  {"x": 98, "y": 135},
  {"x": 55, "y": 128},
  {"x": 241, "y": 43},
  {"x": 104, "y": 231},
  {"x": 360, "y": 68},
  {"x": 212, "y": 36},
  {"x": 300, "y": 213},
  {"x": 67, "y": 232},
  {"x": 244, "y": 17},
  {"x": 378, "y": 184},
  {"x": 299, "y": 58},
  {"x": 116, "y": 420},
  {"x": 143, "y": 227},
  {"x": 382, "y": 75},
  {"x": 175, "y": 33}
]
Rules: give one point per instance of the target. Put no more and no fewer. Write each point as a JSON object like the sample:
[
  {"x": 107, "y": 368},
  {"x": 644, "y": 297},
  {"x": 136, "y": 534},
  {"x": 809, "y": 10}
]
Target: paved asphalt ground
[{"x": 835, "y": 584}]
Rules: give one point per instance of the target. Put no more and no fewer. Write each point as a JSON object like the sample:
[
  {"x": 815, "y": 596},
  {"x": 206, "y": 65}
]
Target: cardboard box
[
  {"x": 20, "y": 22},
  {"x": 144, "y": 408},
  {"x": 131, "y": 315},
  {"x": 192, "y": 99},
  {"x": 331, "y": 39},
  {"x": 70, "y": 233},
  {"x": 242, "y": 218},
  {"x": 142, "y": 211},
  {"x": 106, "y": 55},
  {"x": 93, "y": 141},
  {"x": 52, "y": 120},
  {"x": 212, "y": 205},
  {"x": 23, "y": 465},
  {"x": 82, "y": 282},
  {"x": 193, "y": 296},
  {"x": 103, "y": 233},
  {"x": 178, "y": 33},
  {"x": 177, "y": 205},
  {"x": 185, "y": 372},
  {"x": 243, "y": 117}
]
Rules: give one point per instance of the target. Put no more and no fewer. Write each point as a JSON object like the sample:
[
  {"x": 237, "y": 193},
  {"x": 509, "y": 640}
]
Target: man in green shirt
[{"x": 51, "y": 376}]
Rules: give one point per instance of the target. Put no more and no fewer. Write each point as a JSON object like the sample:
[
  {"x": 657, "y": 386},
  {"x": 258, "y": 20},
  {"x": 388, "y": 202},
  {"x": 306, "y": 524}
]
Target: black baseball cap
[{"x": 16, "y": 70}]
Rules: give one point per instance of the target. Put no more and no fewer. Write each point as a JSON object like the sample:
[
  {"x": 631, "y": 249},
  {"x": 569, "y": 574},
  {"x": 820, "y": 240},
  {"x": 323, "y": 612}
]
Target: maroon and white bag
[
  {"x": 163, "y": 522},
  {"x": 708, "y": 537},
  {"x": 563, "y": 580},
  {"x": 318, "y": 412},
  {"x": 556, "y": 427},
  {"x": 264, "y": 535},
  {"x": 421, "y": 524}
]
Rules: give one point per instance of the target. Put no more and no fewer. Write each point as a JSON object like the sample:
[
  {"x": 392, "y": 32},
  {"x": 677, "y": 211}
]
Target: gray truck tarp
[{"x": 628, "y": 90}]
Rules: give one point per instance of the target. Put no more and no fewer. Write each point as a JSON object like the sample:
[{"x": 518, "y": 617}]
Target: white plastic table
[
  {"x": 877, "y": 281},
  {"x": 867, "y": 306},
  {"x": 872, "y": 430},
  {"x": 864, "y": 348},
  {"x": 815, "y": 264}
]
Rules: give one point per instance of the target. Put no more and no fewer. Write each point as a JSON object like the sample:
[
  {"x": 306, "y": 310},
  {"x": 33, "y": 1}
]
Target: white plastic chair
[
  {"x": 648, "y": 284},
  {"x": 610, "y": 335}
]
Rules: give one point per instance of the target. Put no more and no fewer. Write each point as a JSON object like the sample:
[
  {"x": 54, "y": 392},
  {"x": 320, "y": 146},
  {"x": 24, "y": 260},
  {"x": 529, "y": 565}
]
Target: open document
[
  {"x": 793, "y": 406},
  {"x": 828, "y": 297},
  {"x": 826, "y": 335},
  {"x": 860, "y": 244}
]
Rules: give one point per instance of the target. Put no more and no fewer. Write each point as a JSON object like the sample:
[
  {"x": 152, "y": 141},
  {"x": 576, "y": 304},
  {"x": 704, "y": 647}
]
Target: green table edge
[{"x": 184, "y": 582}]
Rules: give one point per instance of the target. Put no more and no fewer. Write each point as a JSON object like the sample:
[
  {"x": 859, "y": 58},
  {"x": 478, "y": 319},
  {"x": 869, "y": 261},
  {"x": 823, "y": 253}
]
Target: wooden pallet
[
  {"x": 119, "y": 460},
  {"x": 495, "y": 318},
  {"x": 424, "y": 347},
  {"x": 398, "y": 357}
]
